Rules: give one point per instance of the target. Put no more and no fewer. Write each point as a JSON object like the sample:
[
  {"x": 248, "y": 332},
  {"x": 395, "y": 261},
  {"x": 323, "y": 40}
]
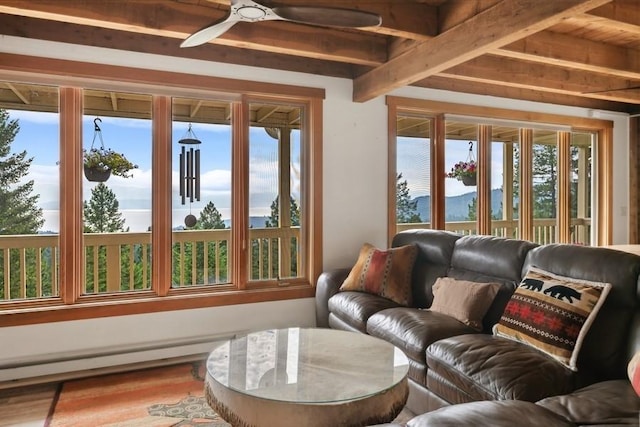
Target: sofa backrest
[
  {"x": 490, "y": 259},
  {"x": 615, "y": 332},
  {"x": 435, "y": 248}
]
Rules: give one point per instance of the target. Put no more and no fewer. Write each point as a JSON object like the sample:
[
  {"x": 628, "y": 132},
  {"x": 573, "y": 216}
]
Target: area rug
[{"x": 171, "y": 396}]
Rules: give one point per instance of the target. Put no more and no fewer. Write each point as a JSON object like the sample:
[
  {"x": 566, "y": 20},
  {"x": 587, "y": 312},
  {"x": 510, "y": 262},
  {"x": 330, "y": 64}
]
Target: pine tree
[
  {"x": 545, "y": 181},
  {"x": 272, "y": 222},
  {"x": 210, "y": 218},
  {"x": 101, "y": 213},
  {"x": 274, "y": 218},
  {"x": 406, "y": 209},
  {"x": 20, "y": 213}
]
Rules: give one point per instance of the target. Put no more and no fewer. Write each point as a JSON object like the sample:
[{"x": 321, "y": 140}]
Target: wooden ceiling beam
[
  {"x": 498, "y": 90},
  {"x": 621, "y": 15},
  {"x": 135, "y": 42},
  {"x": 568, "y": 51},
  {"x": 455, "y": 12},
  {"x": 504, "y": 23},
  {"x": 549, "y": 78},
  {"x": 177, "y": 20}
]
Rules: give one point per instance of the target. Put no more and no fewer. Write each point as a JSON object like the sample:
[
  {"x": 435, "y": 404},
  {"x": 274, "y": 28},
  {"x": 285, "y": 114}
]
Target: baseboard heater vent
[{"x": 62, "y": 366}]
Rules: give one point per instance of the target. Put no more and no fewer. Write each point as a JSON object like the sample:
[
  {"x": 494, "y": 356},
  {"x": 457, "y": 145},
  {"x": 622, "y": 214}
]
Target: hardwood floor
[
  {"x": 29, "y": 406},
  {"x": 26, "y": 406}
]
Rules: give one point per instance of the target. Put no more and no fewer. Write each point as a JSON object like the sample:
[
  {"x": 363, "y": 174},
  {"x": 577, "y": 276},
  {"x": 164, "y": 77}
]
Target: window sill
[{"x": 91, "y": 308}]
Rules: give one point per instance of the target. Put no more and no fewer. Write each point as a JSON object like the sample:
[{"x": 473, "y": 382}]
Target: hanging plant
[
  {"x": 465, "y": 171},
  {"x": 100, "y": 163}
]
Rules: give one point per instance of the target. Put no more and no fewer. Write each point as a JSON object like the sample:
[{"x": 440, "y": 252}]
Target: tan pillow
[
  {"x": 384, "y": 273},
  {"x": 466, "y": 301}
]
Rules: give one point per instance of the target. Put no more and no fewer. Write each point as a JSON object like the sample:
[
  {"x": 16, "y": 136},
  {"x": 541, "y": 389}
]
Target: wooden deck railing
[
  {"x": 116, "y": 262},
  {"x": 544, "y": 230}
]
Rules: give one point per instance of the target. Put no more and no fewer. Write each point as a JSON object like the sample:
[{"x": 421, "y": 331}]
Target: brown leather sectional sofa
[{"x": 450, "y": 363}]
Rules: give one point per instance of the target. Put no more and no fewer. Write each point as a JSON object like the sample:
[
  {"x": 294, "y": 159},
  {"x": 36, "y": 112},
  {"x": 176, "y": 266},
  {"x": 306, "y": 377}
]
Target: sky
[{"x": 39, "y": 134}]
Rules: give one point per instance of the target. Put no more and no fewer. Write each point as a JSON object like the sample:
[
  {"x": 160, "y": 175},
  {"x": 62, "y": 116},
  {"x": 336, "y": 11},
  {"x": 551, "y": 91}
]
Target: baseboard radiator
[{"x": 64, "y": 366}]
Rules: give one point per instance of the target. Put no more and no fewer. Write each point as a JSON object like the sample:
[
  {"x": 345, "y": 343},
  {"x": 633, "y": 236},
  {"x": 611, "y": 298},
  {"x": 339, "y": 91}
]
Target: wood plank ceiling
[{"x": 570, "y": 52}]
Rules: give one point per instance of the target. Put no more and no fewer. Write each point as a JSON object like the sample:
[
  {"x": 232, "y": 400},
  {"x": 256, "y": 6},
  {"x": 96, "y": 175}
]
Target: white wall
[{"x": 354, "y": 199}]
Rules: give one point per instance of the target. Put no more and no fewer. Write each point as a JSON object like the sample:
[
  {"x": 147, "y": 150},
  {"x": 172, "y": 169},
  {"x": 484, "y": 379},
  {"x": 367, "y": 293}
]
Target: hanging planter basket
[
  {"x": 100, "y": 162},
  {"x": 469, "y": 181},
  {"x": 465, "y": 171},
  {"x": 96, "y": 174}
]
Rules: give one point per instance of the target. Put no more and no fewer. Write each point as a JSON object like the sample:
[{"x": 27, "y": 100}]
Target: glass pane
[
  {"x": 117, "y": 142},
  {"x": 29, "y": 191},
  {"x": 581, "y": 166},
  {"x": 413, "y": 166},
  {"x": 545, "y": 186},
  {"x": 201, "y": 200},
  {"x": 460, "y": 186},
  {"x": 275, "y": 172},
  {"x": 504, "y": 190}
]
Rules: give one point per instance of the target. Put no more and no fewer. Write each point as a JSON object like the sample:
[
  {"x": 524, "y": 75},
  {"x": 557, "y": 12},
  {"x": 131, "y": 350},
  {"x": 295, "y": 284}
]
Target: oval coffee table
[{"x": 306, "y": 377}]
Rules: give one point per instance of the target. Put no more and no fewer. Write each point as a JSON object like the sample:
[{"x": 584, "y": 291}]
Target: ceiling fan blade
[
  {"x": 328, "y": 16},
  {"x": 208, "y": 33}
]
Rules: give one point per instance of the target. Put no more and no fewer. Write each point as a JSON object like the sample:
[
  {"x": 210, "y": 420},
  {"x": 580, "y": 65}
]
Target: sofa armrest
[{"x": 328, "y": 284}]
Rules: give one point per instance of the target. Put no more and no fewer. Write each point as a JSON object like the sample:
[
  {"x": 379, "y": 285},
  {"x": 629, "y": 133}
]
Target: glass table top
[{"x": 307, "y": 365}]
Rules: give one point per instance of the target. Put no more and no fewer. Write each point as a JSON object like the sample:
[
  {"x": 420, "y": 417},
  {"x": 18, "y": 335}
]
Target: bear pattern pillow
[
  {"x": 552, "y": 313},
  {"x": 386, "y": 273}
]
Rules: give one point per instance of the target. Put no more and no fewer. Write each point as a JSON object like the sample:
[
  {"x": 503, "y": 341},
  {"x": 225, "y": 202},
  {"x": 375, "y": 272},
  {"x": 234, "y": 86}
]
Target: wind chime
[{"x": 189, "y": 173}]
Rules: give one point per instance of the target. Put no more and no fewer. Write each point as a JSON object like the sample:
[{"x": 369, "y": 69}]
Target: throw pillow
[
  {"x": 384, "y": 273},
  {"x": 552, "y": 313},
  {"x": 466, "y": 301},
  {"x": 634, "y": 372}
]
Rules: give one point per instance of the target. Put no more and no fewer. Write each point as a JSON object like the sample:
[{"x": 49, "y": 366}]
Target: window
[
  {"x": 275, "y": 172},
  {"x": 460, "y": 158},
  {"x": 413, "y": 171},
  {"x": 29, "y": 189},
  {"x": 530, "y": 180},
  {"x": 194, "y": 221},
  {"x": 201, "y": 192},
  {"x": 117, "y": 145}
]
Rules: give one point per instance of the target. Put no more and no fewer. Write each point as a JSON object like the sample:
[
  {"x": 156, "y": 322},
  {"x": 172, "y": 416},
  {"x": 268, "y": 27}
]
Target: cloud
[{"x": 34, "y": 117}]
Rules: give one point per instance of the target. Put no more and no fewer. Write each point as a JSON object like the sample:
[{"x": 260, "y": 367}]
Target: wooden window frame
[
  {"x": 72, "y": 77},
  {"x": 603, "y": 206}
]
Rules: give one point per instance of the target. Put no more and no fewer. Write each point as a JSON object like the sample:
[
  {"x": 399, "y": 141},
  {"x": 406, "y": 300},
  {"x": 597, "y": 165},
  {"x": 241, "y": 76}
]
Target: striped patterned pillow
[
  {"x": 384, "y": 273},
  {"x": 552, "y": 313}
]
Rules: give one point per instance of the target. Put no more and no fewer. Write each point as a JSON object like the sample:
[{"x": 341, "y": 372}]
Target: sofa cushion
[
  {"x": 355, "y": 308},
  {"x": 435, "y": 248},
  {"x": 384, "y": 273},
  {"x": 606, "y": 402},
  {"x": 413, "y": 330},
  {"x": 485, "y": 367},
  {"x": 552, "y": 313},
  {"x": 490, "y": 259},
  {"x": 506, "y": 413},
  {"x": 463, "y": 300}
]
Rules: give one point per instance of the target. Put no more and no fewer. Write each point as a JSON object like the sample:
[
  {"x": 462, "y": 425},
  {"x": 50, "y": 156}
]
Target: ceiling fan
[{"x": 250, "y": 11}]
